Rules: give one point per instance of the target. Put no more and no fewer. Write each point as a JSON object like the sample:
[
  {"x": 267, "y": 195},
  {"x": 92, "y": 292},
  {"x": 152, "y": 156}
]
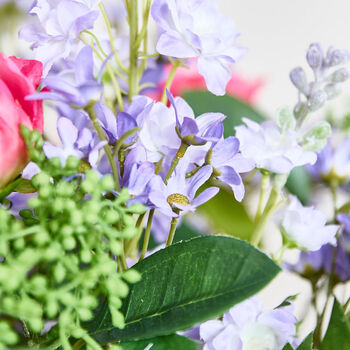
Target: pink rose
[{"x": 18, "y": 78}]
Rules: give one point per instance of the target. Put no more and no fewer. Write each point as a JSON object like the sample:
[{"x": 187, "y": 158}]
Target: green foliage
[
  {"x": 187, "y": 283},
  {"x": 169, "y": 342},
  {"x": 58, "y": 260},
  {"x": 305, "y": 345},
  {"x": 338, "y": 332},
  {"x": 299, "y": 184},
  {"x": 228, "y": 216}
]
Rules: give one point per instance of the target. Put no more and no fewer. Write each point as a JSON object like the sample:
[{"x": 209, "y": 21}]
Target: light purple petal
[
  {"x": 216, "y": 74},
  {"x": 205, "y": 196},
  {"x": 67, "y": 131},
  {"x": 224, "y": 150},
  {"x": 198, "y": 179}
]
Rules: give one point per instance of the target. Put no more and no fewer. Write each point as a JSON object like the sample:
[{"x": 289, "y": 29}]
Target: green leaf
[
  {"x": 228, "y": 216},
  {"x": 204, "y": 102},
  {"x": 170, "y": 342},
  {"x": 338, "y": 332},
  {"x": 305, "y": 345},
  {"x": 299, "y": 184},
  {"x": 187, "y": 283}
]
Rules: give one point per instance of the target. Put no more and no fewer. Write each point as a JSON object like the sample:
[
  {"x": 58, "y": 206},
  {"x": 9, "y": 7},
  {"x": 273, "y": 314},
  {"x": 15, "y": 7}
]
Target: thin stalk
[
  {"x": 111, "y": 38},
  {"x": 145, "y": 35},
  {"x": 147, "y": 235},
  {"x": 260, "y": 225},
  {"x": 170, "y": 79},
  {"x": 179, "y": 154},
  {"x": 115, "y": 84},
  {"x": 107, "y": 149},
  {"x": 171, "y": 235},
  {"x": 133, "y": 51},
  {"x": 265, "y": 180}
]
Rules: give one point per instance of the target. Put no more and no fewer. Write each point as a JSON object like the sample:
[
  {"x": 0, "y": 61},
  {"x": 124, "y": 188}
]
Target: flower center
[{"x": 178, "y": 198}]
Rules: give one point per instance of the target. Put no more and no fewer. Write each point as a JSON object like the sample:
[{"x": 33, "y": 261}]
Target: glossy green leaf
[
  {"x": 338, "y": 332},
  {"x": 170, "y": 342},
  {"x": 299, "y": 184},
  {"x": 235, "y": 109},
  {"x": 305, "y": 345},
  {"x": 187, "y": 283},
  {"x": 228, "y": 216}
]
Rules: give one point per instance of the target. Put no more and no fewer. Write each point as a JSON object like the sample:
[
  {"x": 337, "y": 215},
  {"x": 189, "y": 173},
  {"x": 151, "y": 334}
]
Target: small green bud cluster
[{"x": 58, "y": 261}]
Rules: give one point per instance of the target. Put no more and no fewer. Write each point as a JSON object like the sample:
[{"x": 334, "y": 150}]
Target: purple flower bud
[
  {"x": 332, "y": 90},
  {"x": 339, "y": 76},
  {"x": 298, "y": 78},
  {"x": 336, "y": 57},
  {"x": 317, "y": 100},
  {"x": 314, "y": 56}
]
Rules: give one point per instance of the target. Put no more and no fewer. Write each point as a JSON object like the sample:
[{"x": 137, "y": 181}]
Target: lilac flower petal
[
  {"x": 125, "y": 122},
  {"x": 107, "y": 120},
  {"x": 161, "y": 204},
  {"x": 84, "y": 66},
  {"x": 198, "y": 179},
  {"x": 224, "y": 150},
  {"x": 67, "y": 131},
  {"x": 84, "y": 138},
  {"x": 216, "y": 74},
  {"x": 229, "y": 175},
  {"x": 205, "y": 196},
  {"x": 172, "y": 44},
  {"x": 189, "y": 127}
]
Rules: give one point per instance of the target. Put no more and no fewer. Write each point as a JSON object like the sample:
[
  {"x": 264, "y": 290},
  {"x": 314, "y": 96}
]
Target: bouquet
[{"x": 136, "y": 226}]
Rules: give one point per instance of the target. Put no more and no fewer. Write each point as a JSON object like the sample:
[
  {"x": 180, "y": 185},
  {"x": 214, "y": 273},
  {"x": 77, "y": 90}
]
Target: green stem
[
  {"x": 101, "y": 135},
  {"x": 115, "y": 84},
  {"x": 147, "y": 235},
  {"x": 179, "y": 154},
  {"x": 170, "y": 79},
  {"x": 133, "y": 50},
  {"x": 171, "y": 232},
  {"x": 265, "y": 180},
  {"x": 145, "y": 36},
  {"x": 111, "y": 38},
  {"x": 260, "y": 225}
]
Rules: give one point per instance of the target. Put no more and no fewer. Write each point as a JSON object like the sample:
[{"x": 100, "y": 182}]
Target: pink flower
[
  {"x": 18, "y": 78},
  {"x": 189, "y": 79}
]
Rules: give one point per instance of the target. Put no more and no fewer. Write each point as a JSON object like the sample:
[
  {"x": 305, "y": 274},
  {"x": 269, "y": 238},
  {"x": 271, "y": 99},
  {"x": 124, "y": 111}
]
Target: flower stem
[
  {"x": 133, "y": 50},
  {"x": 91, "y": 111},
  {"x": 171, "y": 232},
  {"x": 111, "y": 38},
  {"x": 170, "y": 79},
  {"x": 179, "y": 154},
  {"x": 265, "y": 180},
  {"x": 147, "y": 234}
]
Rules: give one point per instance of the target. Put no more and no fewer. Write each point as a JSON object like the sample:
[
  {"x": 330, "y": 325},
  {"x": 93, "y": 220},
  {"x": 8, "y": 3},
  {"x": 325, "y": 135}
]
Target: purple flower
[
  {"x": 246, "y": 327},
  {"x": 305, "y": 226},
  {"x": 136, "y": 175},
  {"x": 78, "y": 143},
  {"x": 333, "y": 163},
  {"x": 206, "y": 127},
  {"x": 178, "y": 195},
  {"x": 78, "y": 93},
  {"x": 271, "y": 148},
  {"x": 196, "y": 28},
  {"x": 60, "y": 23},
  {"x": 227, "y": 164}
]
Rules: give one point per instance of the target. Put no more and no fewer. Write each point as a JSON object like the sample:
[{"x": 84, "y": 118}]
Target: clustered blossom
[
  {"x": 247, "y": 327},
  {"x": 322, "y": 260},
  {"x": 195, "y": 28},
  {"x": 333, "y": 163},
  {"x": 54, "y": 36},
  {"x": 326, "y": 85},
  {"x": 305, "y": 226}
]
